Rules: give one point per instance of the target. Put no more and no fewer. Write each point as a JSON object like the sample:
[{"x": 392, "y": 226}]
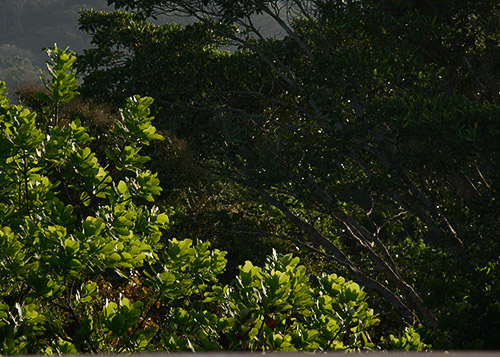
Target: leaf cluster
[
  {"x": 366, "y": 134},
  {"x": 84, "y": 268}
]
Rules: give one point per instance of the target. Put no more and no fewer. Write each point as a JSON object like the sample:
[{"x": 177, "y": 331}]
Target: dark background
[{"x": 26, "y": 26}]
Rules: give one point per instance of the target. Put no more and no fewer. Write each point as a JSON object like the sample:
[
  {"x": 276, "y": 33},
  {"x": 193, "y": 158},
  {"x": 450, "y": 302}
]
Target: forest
[{"x": 268, "y": 175}]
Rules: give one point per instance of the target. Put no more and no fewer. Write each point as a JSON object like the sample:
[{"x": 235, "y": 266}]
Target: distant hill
[{"x": 26, "y": 26}]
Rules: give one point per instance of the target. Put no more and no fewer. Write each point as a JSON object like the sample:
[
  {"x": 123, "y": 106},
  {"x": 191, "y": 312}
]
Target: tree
[
  {"x": 49, "y": 234},
  {"x": 184, "y": 63},
  {"x": 84, "y": 268},
  {"x": 370, "y": 132}
]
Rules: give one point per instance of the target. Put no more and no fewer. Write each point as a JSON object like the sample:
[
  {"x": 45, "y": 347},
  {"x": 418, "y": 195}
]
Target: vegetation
[
  {"x": 26, "y": 26},
  {"x": 84, "y": 268},
  {"x": 366, "y": 136},
  {"x": 16, "y": 65},
  {"x": 361, "y": 142}
]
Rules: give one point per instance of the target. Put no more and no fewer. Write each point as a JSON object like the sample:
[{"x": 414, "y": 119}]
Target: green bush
[{"x": 84, "y": 269}]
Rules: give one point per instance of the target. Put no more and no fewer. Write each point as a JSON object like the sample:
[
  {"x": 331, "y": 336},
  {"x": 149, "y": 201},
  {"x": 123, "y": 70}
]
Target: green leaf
[
  {"x": 44, "y": 96},
  {"x": 71, "y": 246}
]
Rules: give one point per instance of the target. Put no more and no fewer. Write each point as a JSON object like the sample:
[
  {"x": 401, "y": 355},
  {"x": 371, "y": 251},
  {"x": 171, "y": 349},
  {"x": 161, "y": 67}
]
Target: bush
[{"x": 83, "y": 266}]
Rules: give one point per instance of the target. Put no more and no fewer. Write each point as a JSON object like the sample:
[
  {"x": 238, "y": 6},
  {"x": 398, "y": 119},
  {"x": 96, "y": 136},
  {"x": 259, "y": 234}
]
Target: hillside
[{"x": 26, "y": 26}]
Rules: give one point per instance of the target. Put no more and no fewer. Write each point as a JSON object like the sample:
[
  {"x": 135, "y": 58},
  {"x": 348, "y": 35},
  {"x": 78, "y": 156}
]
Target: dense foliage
[
  {"x": 85, "y": 268},
  {"x": 367, "y": 134}
]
